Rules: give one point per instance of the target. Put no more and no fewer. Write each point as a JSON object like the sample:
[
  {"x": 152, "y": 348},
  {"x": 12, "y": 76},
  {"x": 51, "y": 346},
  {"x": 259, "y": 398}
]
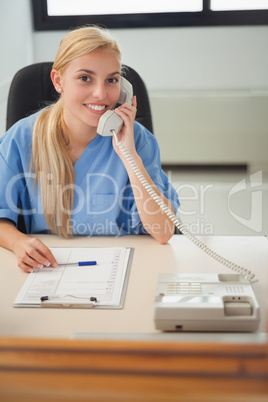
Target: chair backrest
[{"x": 31, "y": 89}]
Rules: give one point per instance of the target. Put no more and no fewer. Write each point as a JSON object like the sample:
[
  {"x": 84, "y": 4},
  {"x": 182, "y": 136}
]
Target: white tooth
[{"x": 96, "y": 107}]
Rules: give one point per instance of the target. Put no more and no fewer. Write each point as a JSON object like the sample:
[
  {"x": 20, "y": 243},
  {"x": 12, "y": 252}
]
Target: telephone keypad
[{"x": 189, "y": 288}]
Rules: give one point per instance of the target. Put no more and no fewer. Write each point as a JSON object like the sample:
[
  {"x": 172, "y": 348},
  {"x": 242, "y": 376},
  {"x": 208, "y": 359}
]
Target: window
[
  {"x": 65, "y": 14},
  {"x": 227, "y": 5},
  {"x": 85, "y": 7}
]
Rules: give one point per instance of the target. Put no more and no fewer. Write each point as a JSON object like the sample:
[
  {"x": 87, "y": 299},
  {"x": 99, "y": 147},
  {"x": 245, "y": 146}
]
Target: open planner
[{"x": 102, "y": 285}]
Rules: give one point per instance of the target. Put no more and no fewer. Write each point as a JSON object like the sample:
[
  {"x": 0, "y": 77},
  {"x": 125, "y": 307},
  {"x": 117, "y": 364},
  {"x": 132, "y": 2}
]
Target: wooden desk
[{"x": 122, "y": 356}]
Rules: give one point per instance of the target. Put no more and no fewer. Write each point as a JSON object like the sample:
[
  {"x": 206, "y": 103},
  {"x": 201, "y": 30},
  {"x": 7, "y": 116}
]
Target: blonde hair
[{"x": 50, "y": 161}]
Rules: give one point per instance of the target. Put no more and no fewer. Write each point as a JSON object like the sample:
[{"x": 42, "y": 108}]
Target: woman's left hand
[{"x": 126, "y": 135}]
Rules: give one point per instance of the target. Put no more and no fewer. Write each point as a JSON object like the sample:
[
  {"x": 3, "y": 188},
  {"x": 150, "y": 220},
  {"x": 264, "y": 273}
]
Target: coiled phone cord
[{"x": 237, "y": 268}]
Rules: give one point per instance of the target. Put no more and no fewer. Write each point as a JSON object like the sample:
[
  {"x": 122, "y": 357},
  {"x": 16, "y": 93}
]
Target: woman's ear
[{"x": 56, "y": 79}]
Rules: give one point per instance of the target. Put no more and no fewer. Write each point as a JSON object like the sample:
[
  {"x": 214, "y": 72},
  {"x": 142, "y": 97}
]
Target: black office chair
[{"x": 32, "y": 89}]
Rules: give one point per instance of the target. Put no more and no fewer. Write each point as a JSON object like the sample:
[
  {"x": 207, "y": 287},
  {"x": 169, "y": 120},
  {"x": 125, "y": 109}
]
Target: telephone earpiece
[{"x": 110, "y": 121}]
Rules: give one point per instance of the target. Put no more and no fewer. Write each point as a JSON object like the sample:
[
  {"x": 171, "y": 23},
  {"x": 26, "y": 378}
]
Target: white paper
[{"x": 77, "y": 284}]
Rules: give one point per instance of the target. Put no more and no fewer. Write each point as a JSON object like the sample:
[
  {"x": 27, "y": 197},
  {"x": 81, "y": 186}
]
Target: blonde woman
[{"x": 67, "y": 179}]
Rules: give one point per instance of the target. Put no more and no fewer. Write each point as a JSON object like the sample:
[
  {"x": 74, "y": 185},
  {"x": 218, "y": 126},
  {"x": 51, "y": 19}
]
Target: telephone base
[{"x": 205, "y": 302}]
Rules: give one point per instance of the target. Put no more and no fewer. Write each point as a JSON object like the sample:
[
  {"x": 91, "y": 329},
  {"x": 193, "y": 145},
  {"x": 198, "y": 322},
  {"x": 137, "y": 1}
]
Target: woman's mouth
[{"x": 95, "y": 108}]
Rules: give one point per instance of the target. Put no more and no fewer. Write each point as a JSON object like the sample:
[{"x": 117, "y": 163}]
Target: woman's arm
[
  {"x": 30, "y": 251},
  {"x": 153, "y": 218}
]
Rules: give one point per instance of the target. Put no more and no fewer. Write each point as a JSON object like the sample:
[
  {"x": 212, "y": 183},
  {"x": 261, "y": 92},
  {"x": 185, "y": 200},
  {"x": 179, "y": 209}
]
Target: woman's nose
[{"x": 99, "y": 91}]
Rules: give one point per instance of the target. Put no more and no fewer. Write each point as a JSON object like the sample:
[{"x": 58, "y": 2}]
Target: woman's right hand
[{"x": 32, "y": 253}]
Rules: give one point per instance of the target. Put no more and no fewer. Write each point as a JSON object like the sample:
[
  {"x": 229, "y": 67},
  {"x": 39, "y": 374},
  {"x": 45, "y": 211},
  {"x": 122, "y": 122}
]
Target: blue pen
[{"x": 79, "y": 263}]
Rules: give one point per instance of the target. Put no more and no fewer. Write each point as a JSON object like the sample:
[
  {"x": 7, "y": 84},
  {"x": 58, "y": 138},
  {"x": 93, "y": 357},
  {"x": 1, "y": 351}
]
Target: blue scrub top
[{"x": 103, "y": 199}]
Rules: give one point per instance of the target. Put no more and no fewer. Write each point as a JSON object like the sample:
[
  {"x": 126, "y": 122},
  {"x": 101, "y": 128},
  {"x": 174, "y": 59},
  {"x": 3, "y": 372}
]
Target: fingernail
[
  {"x": 47, "y": 263},
  {"x": 55, "y": 265},
  {"x": 39, "y": 266},
  {"x": 30, "y": 270}
]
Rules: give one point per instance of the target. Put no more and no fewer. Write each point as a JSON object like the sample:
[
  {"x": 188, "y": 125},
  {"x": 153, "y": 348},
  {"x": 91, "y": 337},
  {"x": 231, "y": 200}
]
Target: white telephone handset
[
  {"x": 110, "y": 121},
  {"x": 109, "y": 125}
]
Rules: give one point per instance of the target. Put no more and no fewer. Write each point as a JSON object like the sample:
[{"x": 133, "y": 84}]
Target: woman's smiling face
[{"x": 90, "y": 85}]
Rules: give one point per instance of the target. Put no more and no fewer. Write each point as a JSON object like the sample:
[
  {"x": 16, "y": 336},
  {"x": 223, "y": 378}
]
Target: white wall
[
  {"x": 208, "y": 89},
  {"x": 16, "y": 46},
  {"x": 186, "y": 58},
  {"x": 170, "y": 60}
]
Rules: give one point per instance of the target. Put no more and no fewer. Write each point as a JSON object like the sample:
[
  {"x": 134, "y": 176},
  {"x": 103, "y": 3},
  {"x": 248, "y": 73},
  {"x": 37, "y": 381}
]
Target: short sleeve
[
  {"x": 15, "y": 154},
  {"x": 10, "y": 188}
]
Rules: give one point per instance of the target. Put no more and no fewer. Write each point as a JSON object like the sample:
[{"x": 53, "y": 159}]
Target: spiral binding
[{"x": 229, "y": 264}]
